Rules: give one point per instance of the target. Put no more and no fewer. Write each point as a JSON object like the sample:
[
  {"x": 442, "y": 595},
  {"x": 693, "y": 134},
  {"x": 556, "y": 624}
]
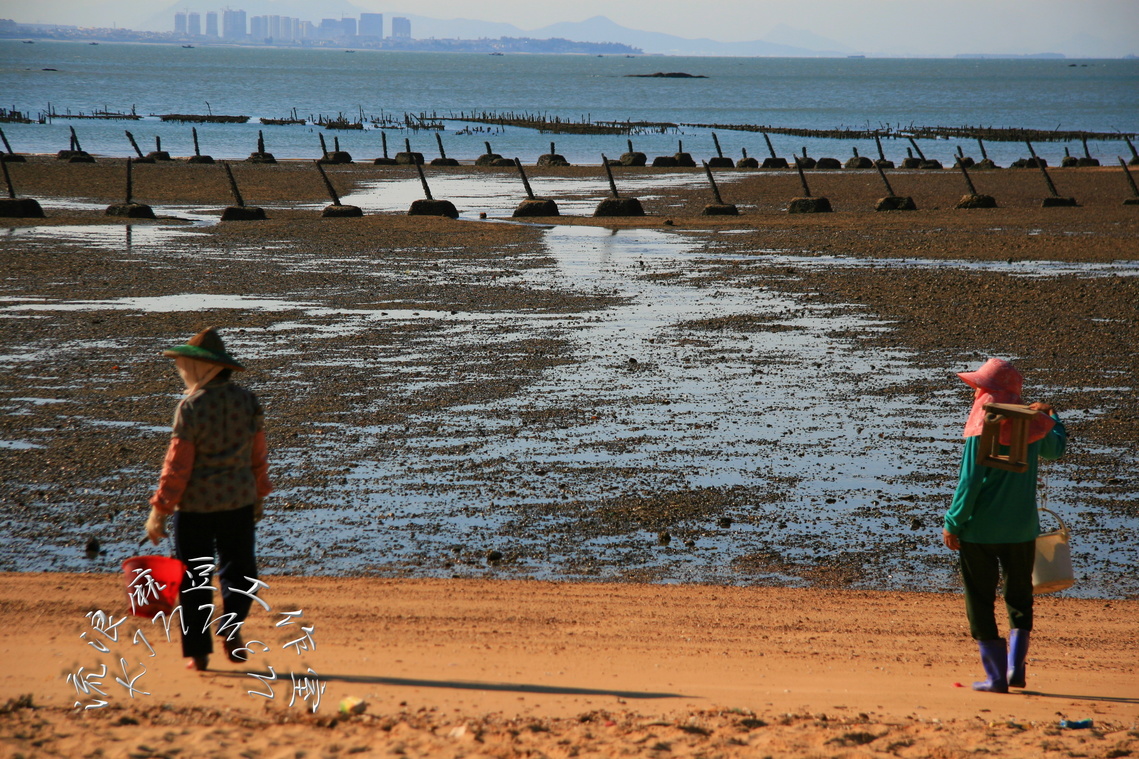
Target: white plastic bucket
[{"x": 1052, "y": 570}]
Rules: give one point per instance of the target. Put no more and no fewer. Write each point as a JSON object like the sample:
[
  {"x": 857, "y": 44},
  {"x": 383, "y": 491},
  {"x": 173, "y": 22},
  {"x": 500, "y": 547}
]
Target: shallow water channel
[
  {"x": 684, "y": 389},
  {"x": 760, "y": 416}
]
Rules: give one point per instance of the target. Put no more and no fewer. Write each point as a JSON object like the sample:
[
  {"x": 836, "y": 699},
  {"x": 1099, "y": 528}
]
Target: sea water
[{"x": 819, "y": 93}]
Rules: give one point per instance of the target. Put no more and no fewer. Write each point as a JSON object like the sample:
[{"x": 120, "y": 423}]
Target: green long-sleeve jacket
[{"x": 997, "y": 506}]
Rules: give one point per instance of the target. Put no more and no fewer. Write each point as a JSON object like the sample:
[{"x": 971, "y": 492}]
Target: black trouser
[
  {"x": 196, "y": 537},
  {"x": 981, "y": 568}
]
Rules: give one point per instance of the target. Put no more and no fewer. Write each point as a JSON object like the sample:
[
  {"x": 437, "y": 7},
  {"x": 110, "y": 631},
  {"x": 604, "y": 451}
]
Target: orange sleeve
[
  {"x": 176, "y": 470},
  {"x": 260, "y": 464}
]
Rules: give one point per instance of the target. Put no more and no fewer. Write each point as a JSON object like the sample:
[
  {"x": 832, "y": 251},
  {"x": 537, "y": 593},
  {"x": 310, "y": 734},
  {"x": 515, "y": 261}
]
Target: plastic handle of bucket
[{"x": 1063, "y": 527}]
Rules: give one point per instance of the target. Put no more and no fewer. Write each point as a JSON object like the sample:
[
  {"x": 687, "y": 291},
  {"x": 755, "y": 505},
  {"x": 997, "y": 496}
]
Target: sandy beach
[
  {"x": 485, "y": 668},
  {"x": 460, "y": 656}
]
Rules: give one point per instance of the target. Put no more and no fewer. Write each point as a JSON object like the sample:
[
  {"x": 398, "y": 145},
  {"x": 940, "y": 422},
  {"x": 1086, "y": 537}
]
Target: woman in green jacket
[{"x": 992, "y": 523}]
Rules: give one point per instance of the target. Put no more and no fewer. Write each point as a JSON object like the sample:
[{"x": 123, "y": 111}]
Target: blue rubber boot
[
  {"x": 994, "y": 658},
  {"x": 1017, "y": 651}
]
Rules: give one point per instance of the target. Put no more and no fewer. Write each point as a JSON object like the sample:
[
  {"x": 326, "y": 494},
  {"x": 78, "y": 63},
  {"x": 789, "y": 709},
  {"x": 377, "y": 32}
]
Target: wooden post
[
  {"x": 130, "y": 187},
  {"x": 522, "y": 173},
  {"x": 439, "y": 141},
  {"x": 197, "y": 150},
  {"x": 4, "y": 137},
  {"x": 630, "y": 144},
  {"x": 715, "y": 189},
  {"x": 335, "y": 144},
  {"x": 134, "y": 144},
  {"x": 1134, "y": 153},
  {"x": 715, "y": 139},
  {"x": 609, "y": 173},
  {"x": 260, "y": 142},
  {"x": 770, "y": 147},
  {"x": 981, "y": 144},
  {"x": 1126, "y": 173},
  {"x": 237, "y": 199},
  {"x": 423, "y": 179},
  {"x": 384, "y": 140},
  {"x": 487, "y": 144},
  {"x": 13, "y": 207},
  {"x": 1019, "y": 418},
  {"x": 1044, "y": 171},
  {"x": 889, "y": 189},
  {"x": 968, "y": 180},
  {"x": 8, "y": 178},
  {"x": 328, "y": 185},
  {"x": 913, "y": 142},
  {"x": 803, "y": 180},
  {"x": 406, "y": 145},
  {"x": 1084, "y": 140},
  {"x": 75, "y": 141},
  {"x": 881, "y": 155}
]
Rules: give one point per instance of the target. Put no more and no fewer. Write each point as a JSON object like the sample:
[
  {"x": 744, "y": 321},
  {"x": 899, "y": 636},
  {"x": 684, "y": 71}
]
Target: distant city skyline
[
  {"x": 237, "y": 25},
  {"x": 1077, "y": 28}
]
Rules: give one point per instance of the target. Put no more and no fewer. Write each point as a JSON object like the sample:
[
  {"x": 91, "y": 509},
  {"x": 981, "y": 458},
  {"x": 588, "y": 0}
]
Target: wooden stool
[{"x": 989, "y": 452}]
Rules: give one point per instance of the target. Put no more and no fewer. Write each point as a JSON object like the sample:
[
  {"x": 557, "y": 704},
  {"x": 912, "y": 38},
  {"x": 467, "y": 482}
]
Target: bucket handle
[{"x": 1063, "y": 527}]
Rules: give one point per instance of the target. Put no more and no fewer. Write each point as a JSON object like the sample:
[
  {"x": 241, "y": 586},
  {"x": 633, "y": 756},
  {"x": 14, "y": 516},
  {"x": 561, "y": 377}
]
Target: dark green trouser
[{"x": 981, "y": 567}]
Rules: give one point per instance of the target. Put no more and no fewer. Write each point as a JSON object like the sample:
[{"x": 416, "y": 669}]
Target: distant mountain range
[{"x": 781, "y": 41}]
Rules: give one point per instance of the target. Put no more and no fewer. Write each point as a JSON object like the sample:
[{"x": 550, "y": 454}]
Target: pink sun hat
[
  {"x": 996, "y": 377},
  {"x": 999, "y": 382}
]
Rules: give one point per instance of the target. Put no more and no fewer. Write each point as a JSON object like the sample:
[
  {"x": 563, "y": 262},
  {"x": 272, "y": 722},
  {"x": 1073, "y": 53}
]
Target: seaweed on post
[
  {"x": 615, "y": 205},
  {"x": 719, "y": 161},
  {"x": 239, "y": 211},
  {"x": 973, "y": 199},
  {"x": 337, "y": 209},
  {"x": 128, "y": 208},
  {"x": 198, "y": 157},
  {"x": 719, "y": 207},
  {"x": 384, "y": 160},
  {"x": 428, "y": 205},
  {"x": 808, "y": 203},
  {"x": 532, "y": 206},
  {"x": 893, "y": 201},
  {"x": 13, "y": 207}
]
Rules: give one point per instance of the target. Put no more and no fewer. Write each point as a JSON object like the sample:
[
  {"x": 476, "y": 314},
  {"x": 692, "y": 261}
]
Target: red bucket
[{"x": 152, "y": 584}]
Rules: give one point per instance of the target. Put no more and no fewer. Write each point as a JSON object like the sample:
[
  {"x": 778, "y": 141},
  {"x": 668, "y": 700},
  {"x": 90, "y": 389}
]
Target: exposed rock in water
[{"x": 668, "y": 75}]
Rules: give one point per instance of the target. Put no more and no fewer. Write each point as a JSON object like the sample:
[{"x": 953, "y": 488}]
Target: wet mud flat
[{"x": 766, "y": 400}]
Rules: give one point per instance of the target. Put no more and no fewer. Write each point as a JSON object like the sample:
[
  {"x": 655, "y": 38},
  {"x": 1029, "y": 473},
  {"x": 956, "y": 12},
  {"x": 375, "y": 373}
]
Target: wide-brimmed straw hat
[
  {"x": 205, "y": 346},
  {"x": 995, "y": 375}
]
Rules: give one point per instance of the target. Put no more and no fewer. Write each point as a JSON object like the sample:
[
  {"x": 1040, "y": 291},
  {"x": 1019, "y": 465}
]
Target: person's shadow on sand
[
  {"x": 470, "y": 685},
  {"x": 1106, "y": 699}
]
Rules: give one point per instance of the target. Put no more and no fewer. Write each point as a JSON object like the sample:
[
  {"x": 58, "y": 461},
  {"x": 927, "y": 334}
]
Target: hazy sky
[{"x": 924, "y": 27}]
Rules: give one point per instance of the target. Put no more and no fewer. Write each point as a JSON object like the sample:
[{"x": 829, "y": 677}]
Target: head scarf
[
  {"x": 195, "y": 374},
  {"x": 998, "y": 381}
]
